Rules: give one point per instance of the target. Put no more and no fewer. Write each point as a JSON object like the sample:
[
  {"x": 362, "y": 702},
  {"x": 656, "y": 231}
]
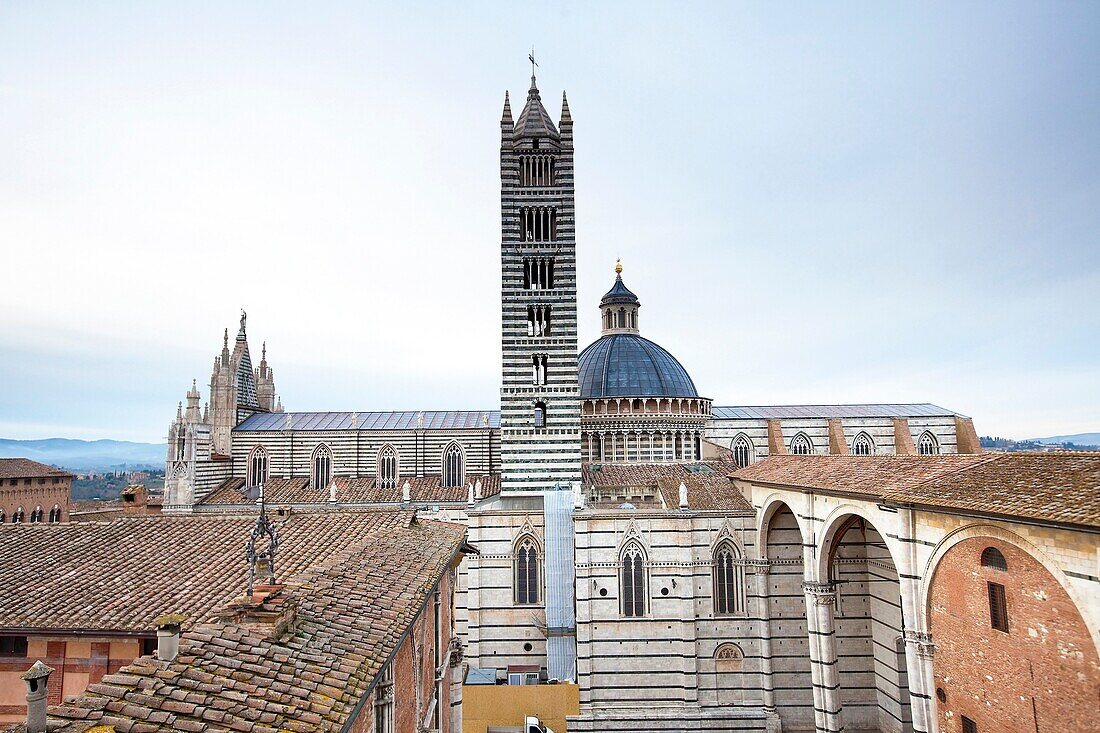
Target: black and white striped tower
[{"x": 540, "y": 398}]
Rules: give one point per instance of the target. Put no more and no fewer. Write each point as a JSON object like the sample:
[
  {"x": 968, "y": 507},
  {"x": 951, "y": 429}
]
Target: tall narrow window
[
  {"x": 538, "y": 223},
  {"x": 181, "y": 444},
  {"x": 538, "y": 273},
  {"x": 18, "y": 516},
  {"x": 383, "y": 701},
  {"x": 538, "y": 320},
  {"x": 729, "y": 580},
  {"x": 632, "y": 580},
  {"x": 36, "y": 515},
  {"x": 540, "y": 415},
  {"x": 322, "y": 467},
  {"x": 927, "y": 444},
  {"x": 453, "y": 468},
  {"x": 527, "y": 572},
  {"x": 998, "y": 607},
  {"x": 801, "y": 445},
  {"x": 742, "y": 451},
  {"x": 538, "y": 364},
  {"x": 387, "y": 467},
  {"x": 862, "y": 445},
  {"x": 3, "y": 516},
  {"x": 257, "y": 466},
  {"x": 55, "y": 515}
]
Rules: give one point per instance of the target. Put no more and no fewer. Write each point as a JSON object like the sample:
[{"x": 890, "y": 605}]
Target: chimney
[
  {"x": 168, "y": 637},
  {"x": 37, "y": 679},
  {"x": 267, "y": 611},
  {"x": 135, "y": 499}
]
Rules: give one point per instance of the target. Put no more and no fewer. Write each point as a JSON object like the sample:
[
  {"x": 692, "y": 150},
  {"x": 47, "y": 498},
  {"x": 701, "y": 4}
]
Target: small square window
[
  {"x": 969, "y": 726},
  {"x": 13, "y": 646}
]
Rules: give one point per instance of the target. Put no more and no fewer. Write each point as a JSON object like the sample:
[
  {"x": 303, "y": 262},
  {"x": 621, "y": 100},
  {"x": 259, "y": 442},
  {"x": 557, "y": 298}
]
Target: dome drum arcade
[{"x": 639, "y": 405}]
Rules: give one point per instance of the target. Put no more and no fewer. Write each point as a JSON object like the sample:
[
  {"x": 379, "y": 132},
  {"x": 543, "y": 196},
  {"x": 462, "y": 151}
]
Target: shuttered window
[
  {"x": 969, "y": 726},
  {"x": 998, "y": 608}
]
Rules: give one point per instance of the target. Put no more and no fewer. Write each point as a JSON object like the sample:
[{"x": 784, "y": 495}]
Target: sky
[{"x": 817, "y": 203}]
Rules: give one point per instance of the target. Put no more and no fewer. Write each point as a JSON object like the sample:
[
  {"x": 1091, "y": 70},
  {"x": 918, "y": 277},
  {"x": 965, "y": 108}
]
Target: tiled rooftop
[
  {"x": 425, "y": 489},
  {"x": 26, "y": 468},
  {"x": 123, "y": 574},
  {"x": 1053, "y": 487},
  {"x": 708, "y": 483},
  {"x": 370, "y": 575}
]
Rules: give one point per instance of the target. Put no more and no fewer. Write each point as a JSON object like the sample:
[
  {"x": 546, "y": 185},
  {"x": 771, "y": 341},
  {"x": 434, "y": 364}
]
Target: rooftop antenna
[{"x": 261, "y": 561}]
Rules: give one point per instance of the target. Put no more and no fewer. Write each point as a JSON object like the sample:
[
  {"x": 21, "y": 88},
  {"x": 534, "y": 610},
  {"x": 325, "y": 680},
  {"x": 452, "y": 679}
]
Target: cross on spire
[{"x": 531, "y": 58}]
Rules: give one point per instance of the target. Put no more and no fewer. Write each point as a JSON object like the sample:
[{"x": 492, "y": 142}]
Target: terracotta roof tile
[
  {"x": 370, "y": 574},
  {"x": 1053, "y": 487},
  {"x": 708, "y": 483},
  {"x": 26, "y": 468}
]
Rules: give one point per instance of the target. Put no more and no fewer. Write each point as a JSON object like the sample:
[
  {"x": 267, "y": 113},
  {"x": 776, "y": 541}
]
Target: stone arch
[
  {"x": 773, "y": 504},
  {"x": 859, "y": 560},
  {"x": 993, "y": 531}
]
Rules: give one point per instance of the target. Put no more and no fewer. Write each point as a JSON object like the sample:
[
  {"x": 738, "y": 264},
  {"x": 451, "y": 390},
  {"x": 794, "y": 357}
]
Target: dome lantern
[{"x": 619, "y": 307}]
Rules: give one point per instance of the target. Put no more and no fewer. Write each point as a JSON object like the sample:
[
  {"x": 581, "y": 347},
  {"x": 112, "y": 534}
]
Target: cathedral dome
[{"x": 628, "y": 365}]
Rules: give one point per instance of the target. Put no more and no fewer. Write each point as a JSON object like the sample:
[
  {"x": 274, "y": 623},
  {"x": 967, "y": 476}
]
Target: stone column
[
  {"x": 919, "y": 651},
  {"x": 820, "y": 598},
  {"x": 761, "y": 568}
]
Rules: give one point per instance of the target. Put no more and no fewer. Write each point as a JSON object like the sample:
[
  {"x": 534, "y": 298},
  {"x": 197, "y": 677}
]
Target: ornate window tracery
[
  {"x": 632, "y": 575},
  {"x": 257, "y": 466},
  {"x": 454, "y": 473},
  {"x": 527, "y": 571},
  {"x": 388, "y": 468},
  {"x": 729, "y": 580},
  {"x": 322, "y": 467}
]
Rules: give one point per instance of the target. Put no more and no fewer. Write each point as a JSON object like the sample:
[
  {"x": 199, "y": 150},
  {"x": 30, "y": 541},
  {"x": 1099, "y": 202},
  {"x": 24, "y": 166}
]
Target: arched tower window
[
  {"x": 801, "y": 445},
  {"x": 527, "y": 575},
  {"x": 18, "y": 516},
  {"x": 729, "y": 580},
  {"x": 257, "y": 466},
  {"x": 540, "y": 415},
  {"x": 992, "y": 558},
  {"x": 388, "y": 468},
  {"x": 55, "y": 515},
  {"x": 36, "y": 515},
  {"x": 181, "y": 443},
  {"x": 742, "y": 450},
  {"x": 633, "y": 579},
  {"x": 862, "y": 445},
  {"x": 322, "y": 467},
  {"x": 927, "y": 445},
  {"x": 454, "y": 469}
]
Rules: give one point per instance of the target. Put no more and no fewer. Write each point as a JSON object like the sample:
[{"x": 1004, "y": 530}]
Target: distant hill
[
  {"x": 1077, "y": 439},
  {"x": 86, "y": 455}
]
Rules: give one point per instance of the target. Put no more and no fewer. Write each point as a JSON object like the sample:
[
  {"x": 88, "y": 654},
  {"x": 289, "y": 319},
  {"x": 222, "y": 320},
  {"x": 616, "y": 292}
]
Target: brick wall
[{"x": 1043, "y": 675}]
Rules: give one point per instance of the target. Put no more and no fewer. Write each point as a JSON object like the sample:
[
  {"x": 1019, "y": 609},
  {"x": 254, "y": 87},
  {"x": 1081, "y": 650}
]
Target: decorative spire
[
  {"x": 507, "y": 116},
  {"x": 533, "y": 92},
  {"x": 261, "y": 559},
  {"x": 618, "y": 267},
  {"x": 565, "y": 116}
]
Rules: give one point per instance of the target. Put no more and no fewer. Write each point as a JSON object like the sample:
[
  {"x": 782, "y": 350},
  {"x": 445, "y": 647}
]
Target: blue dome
[{"x": 627, "y": 365}]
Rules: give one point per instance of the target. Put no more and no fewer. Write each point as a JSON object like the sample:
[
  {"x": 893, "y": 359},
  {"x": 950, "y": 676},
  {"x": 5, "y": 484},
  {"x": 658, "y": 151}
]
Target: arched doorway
[
  {"x": 868, "y": 628},
  {"x": 791, "y": 680}
]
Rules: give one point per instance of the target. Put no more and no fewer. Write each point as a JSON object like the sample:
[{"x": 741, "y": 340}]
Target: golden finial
[{"x": 618, "y": 266}]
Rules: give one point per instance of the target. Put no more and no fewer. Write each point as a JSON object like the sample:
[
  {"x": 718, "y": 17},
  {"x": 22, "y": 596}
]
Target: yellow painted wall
[{"x": 506, "y": 705}]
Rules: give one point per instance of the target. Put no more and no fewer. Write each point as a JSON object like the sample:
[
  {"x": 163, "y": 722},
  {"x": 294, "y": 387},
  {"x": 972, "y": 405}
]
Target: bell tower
[{"x": 540, "y": 397}]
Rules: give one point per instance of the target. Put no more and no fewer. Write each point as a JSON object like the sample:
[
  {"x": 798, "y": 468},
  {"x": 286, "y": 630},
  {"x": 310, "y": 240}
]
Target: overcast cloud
[{"x": 819, "y": 203}]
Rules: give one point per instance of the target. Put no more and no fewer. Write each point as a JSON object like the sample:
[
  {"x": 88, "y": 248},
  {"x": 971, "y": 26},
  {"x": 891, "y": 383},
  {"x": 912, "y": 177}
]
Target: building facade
[{"x": 33, "y": 492}]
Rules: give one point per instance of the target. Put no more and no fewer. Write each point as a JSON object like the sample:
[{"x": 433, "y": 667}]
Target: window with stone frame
[
  {"x": 863, "y": 445},
  {"x": 632, "y": 580},
  {"x": 728, "y": 580},
  {"x": 540, "y": 415},
  {"x": 55, "y": 515},
  {"x": 388, "y": 468},
  {"x": 454, "y": 473},
  {"x": 927, "y": 445},
  {"x": 742, "y": 450},
  {"x": 527, "y": 574},
  {"x": 801, "y": 445},
  {"x": 18, "y": 516},
  {"x": 257, "y": 466},
  {"x": 383, "y": 701},
  {"x": 321, "y": 474}
]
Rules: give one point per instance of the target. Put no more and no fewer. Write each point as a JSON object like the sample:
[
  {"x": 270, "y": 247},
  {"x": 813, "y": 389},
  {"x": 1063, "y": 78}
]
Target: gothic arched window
[
  {"x": 801, "y": 445},
  {"x": 729, "y": 580},
  {"x": 927, "y": 445},
  {"x": 540, "y": 415},
  {"x": 527, "y": 571},
  {"x": 742, "y": 450},
  {"x": 36, "y": 515},
  {"x": 181, "y": 443},
  {"x": 55, "y": 514},
  {"x": 633, "y": 580},
  {"x": 862, "y": 445},
  {"x": 2, "y": 516},
  {"x": 257, "y": 466},
  {"x": 322, "y": 467},
  {"x": 388, "y": 468},
  {"x": 18, "y": 516},
  {"x": 993, "y": 558},
  {"x": 454, "y": 470}
]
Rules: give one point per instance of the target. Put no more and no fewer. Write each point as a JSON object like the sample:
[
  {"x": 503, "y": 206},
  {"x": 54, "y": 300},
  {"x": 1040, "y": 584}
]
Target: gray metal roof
[
  {"x": 829, "y": 411},
  {"x": 409, "y": 420},
  {"x": 628, "y": 365}
]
